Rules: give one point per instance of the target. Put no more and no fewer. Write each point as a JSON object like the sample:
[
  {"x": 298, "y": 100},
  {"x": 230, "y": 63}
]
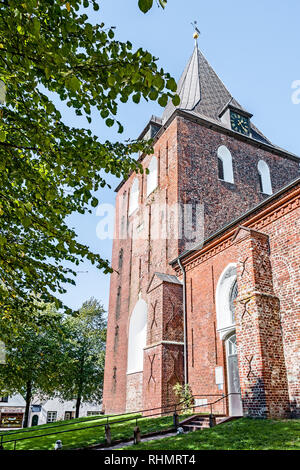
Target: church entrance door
[{"x": 235, "y": 402}]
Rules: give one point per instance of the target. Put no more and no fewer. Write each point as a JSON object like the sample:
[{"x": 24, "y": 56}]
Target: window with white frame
[
  {"x": 93, "y": 413},
  {"x": 226, "y": 293},
  {"x": 152, "y": 175},
  {"x": 51, "y": 416},
  {"x": 264, "y": 177},
  {"x": 134, "y": 196},
  {"x": 225, "y": 169},
  {"x": 137, "y": 337}
]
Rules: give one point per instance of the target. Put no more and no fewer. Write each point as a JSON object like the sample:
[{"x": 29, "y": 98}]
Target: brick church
[{"x": 205, "y": 288}]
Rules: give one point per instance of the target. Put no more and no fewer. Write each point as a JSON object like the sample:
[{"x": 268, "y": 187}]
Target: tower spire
[{"x": 196, "y": 32}]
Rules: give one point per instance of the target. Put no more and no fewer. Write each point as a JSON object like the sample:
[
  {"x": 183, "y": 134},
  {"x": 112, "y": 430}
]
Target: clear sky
[{"x": 253, "y": 46}]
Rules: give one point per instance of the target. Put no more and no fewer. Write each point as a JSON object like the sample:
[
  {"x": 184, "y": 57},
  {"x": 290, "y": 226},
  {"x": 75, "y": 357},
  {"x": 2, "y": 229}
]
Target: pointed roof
[
  {"x": 201, "y": 91},
  {"x": 158, "y": 278}
]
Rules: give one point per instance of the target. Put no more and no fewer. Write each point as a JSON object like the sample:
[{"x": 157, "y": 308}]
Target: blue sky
[{"x": 254, "y": 48}]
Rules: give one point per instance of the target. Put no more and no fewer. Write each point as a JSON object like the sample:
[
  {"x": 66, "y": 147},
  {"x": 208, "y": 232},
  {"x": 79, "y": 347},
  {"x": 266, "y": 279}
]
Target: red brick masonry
[{"x": 188, "y": 173}]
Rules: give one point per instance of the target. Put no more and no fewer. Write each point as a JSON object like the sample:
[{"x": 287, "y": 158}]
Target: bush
[{"x": 184, "y": 393}]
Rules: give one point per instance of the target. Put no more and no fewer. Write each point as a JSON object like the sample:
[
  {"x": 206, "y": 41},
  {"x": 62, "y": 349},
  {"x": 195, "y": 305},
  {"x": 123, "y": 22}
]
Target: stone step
[
  {"x": 190, "y": 427},
  {"x": 197, "y": 423}
]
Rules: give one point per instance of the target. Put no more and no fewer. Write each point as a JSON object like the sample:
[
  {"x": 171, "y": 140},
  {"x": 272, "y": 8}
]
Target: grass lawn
[
  {"x": 243, "y": 434},
  {"x": 84, "y": 437}
]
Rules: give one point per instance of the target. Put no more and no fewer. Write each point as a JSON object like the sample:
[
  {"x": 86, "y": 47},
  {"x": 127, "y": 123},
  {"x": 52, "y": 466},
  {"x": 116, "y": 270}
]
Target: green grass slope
[
  {"x": 242, "y": 434},
  {"x": 84, "y": 437}
]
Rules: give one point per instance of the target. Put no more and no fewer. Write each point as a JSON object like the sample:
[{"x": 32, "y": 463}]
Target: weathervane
[{"x": 196, "y": 31}]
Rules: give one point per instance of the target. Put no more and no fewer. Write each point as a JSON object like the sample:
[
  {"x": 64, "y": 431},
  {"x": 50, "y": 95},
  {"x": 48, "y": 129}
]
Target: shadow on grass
[
  {"x": 243, "y": 434},
  {"x": 89, "y": 436}
]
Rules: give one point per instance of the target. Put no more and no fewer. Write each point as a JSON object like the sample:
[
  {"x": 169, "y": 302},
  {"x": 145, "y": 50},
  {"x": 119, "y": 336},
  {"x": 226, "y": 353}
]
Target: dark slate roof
[{"x": 201, "y": 91}]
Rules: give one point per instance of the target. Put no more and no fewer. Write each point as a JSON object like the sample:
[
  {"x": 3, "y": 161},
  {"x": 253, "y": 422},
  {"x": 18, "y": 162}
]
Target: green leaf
[
  {"x": 50, "y": 108},
  {"x": 145, "y": 5},
  {"x": 136, "y": 98},
  {"x": 104, "y": 113},
  {"x": 20, "y": 30},
  {"x": 171, "y": 84},
  {"x": 176, "y": 100},
  {"x": 163, "y": 100},
  {"x": 111, "y": 80},
  {"x": 109, "y": 122},
  {"x": 94, "y": 202},
  {"x": 74, "y": 84}
]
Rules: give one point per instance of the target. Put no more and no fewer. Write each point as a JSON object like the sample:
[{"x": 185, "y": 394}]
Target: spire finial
[{"x": 196, "y": 31}]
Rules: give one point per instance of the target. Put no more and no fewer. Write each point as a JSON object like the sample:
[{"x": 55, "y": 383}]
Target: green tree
[
  {"x": 83, "y": 355},
  {"x": 146, "y": 5},
  {"x": 49, "y": 170},
  {"x": 31, "y": 359}
]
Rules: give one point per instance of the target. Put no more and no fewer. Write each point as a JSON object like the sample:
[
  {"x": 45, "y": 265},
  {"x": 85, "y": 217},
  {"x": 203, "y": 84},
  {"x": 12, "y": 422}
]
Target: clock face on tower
[{"x": 239, "y": 123}]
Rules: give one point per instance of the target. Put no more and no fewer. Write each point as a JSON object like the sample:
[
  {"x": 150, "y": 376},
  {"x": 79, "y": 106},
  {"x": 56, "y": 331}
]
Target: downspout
[{"x": 184, "y": 323}]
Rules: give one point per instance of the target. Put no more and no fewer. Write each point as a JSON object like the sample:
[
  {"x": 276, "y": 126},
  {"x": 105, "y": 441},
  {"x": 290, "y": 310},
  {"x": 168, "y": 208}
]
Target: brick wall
[
  {"x": 187, "y": 162},
  {"x": 198, "y": 173},
  {"x": 267, "y": 325}
]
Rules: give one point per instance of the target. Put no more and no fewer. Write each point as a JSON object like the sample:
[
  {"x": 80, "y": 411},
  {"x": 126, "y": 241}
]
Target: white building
[
  {"x": 49, "y": 411},
  {"x": 12, "y": 411}
]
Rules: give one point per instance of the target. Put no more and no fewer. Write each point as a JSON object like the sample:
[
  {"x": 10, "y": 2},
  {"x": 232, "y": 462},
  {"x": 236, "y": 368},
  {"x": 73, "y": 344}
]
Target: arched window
[
  {"x": 264, "y": 177},
  {"x": 225, "y": 171},
  {"x": 226, "y": 293},
  {"x": 134, "y": 196},
  {"x": 152, "y": 175},
  {"x": 137, "y": 337}
]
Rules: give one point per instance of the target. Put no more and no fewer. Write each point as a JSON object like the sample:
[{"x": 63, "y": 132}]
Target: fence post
[
  {"x": 136, "y": 435},
  {"x": 107, "y": 435},
  {"x": 175, "y": 420},
  {"x": 212, "y": 420}
]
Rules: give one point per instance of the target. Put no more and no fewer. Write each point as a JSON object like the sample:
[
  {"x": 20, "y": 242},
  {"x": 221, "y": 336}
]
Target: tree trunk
[
  {"x": 78, "y": 403},
  {"x": 80, "y": 386},
  {"x": 28, "y": 401}
]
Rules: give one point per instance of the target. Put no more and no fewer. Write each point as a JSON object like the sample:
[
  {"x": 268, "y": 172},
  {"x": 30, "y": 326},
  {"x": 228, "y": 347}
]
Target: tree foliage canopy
[
  {"x": 83, "y": 355},
  {"x": 31, "y": 358},
  {"x": 64, "y": 358},
  {"x": 49, "y": 170}
]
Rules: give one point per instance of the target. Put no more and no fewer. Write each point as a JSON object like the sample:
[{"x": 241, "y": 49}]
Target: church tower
[{"x": 210, "y": 165}]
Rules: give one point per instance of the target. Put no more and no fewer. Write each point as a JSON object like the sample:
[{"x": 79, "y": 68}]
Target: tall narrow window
[
  {"x": 118, "y": 303},
  {"x": 152, "y": 175},
  {"x": 220, "y": 169},
  {"x": 225, "y": 169},
  {"x": 264, "y": 177},
  {"x": 134, "y": 196},
  {"x": 121, "y": 258},
  {"x": 233, "y": 296}
]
